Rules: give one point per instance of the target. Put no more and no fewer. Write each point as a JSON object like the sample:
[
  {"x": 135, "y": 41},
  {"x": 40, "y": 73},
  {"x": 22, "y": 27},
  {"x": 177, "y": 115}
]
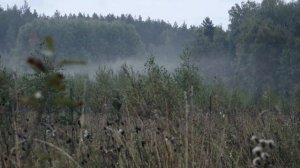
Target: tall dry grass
[{"x": 140, "y": 120}]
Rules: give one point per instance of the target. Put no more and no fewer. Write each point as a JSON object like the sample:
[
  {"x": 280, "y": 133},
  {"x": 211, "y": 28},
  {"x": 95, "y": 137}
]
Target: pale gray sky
[{"x": 190, "y": 11}]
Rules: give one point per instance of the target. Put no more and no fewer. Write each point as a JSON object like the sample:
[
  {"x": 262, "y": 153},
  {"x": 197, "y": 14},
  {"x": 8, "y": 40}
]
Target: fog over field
[{"x": 137, "y": 64}]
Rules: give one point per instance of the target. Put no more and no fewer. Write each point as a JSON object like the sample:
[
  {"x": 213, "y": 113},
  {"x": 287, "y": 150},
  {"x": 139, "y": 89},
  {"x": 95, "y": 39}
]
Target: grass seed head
[
  {"x": 257, "y": 161},
  {"x": 257, "y": 151},
  {"x": 38, "y": 95},
  {"x": 265, "y": 156},
  {"x": 263, "y": 143},
  {"x": 121, "y": 131},
  {"x": 270, "y": 143},
  {"x": 254, "y": 139}
]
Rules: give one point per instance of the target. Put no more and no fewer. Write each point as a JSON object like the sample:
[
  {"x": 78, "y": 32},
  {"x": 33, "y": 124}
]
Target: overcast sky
[{"x": 190, "y": 11}]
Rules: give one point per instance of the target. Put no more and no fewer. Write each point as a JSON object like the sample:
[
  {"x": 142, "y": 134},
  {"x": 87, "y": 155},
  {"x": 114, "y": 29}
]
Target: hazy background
[
  {"x": 249, "y": 44},
  {"x": 190, "y": 11}
]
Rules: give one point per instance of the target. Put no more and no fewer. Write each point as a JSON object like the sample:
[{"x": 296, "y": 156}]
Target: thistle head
[
  {"x": 257, "y": 151},
  {"x": 257, "y": 161},
  {"x": 254, "y": 139},
  {"x": 265, "y": 156}
]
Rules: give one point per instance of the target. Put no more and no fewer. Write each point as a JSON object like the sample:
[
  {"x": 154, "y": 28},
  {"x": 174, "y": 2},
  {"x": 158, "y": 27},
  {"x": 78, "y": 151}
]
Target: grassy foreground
[{"x": 150, "y": 119}]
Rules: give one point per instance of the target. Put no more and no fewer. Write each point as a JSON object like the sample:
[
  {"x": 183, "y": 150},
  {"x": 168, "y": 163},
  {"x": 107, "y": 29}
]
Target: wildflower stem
[
  {"x": 59, "y": 149},
  {"x": 186, "y": 131}
]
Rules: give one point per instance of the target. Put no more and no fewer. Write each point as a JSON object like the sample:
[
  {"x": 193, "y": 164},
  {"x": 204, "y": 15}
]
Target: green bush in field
[{"x": 6, "y": 82}]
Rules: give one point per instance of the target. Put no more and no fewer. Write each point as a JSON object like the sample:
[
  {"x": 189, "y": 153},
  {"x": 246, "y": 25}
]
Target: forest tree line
[
  {"x": 261, "y": 44},
  {"x": 81, "y": 35}
]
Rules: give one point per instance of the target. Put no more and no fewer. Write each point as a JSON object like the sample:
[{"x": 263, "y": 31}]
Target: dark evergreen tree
[{"x": 209, "y": 28}]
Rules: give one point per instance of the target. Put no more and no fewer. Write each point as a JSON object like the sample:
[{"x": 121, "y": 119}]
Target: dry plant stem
[
  {"x": 192, "y": 127},
  {"x": 82, "y": 119},
  {"x": 59, "y": 149},
  {"x": 209, "y": 128},
  {"x": 11, "y": 160},
  {"x": 18, "y": 162},
  {"x": 156, "y": 151},
  {"x": 186, "y": 131},
  {"x": 130, "y": 150}
]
